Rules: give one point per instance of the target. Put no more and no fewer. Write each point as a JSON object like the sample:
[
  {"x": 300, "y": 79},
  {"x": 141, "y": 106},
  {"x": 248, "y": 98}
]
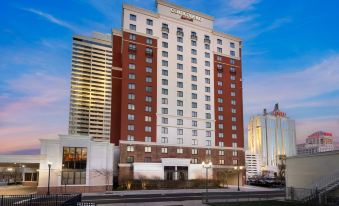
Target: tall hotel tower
[
  {"x": 90, "y": 107},
  {"x": 176, "y": 94},
  {"x": 271, "y": 136}
]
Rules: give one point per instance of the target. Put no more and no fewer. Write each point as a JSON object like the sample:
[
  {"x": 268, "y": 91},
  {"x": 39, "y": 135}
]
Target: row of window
[{"x": 130, "y": 159}]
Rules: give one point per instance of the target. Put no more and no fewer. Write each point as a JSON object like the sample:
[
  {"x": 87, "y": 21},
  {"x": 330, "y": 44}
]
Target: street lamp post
[
  {"x": 49, "y": 176},
  {"x": 206, "y": 166},
  {"x": 238, "y": 168}
]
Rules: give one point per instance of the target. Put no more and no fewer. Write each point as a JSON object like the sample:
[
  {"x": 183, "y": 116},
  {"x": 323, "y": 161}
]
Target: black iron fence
[{"x": 41, "y": 200}]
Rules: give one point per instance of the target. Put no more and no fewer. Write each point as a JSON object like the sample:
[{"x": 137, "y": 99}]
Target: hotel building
[
  {"x": 90, "y": 102},
  {"x": 317, "y": 142},
  {"x": 271, "y": 136},
  {"x": 176, "y": 94}
]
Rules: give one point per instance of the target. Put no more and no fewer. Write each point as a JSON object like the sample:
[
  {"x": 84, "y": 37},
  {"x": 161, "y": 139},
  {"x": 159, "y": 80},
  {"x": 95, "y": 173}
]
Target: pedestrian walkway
[
  {"x": 172, "y": 203},
  {"x": 231, "y": 188}
]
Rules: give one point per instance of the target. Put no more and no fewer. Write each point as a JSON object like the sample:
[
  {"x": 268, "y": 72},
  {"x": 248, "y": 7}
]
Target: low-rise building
[{"x": 317, "y": 142}]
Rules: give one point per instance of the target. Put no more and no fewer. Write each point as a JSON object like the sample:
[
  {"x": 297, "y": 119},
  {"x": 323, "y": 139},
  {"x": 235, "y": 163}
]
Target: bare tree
[{"x": 107, "y": 174}]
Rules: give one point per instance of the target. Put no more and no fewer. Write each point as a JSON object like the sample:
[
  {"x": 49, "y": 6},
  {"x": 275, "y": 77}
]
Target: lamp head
[
  {"x": 49, "y": 163},
  {"x": 241, "y": 167}
]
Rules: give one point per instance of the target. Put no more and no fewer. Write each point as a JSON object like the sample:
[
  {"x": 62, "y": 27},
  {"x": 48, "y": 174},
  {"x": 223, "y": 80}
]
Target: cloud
[
  {"x": 229, "y": 22},
  {"x": 52, "y": 19},
  {"x": 36, "y": 107},
  {"x": 242, "y": 5}
]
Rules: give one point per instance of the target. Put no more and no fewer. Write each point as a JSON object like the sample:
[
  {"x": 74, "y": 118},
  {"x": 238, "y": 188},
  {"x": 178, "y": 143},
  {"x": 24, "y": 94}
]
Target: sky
[{"x": 290, "y": 57}]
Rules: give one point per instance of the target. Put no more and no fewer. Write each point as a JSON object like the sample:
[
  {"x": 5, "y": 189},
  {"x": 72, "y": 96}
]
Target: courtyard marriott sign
[{"x": 186, "y": 15}]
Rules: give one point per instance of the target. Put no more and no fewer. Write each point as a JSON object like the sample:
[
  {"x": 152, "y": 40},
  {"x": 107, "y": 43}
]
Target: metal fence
[{"x": 41, "y": 200}]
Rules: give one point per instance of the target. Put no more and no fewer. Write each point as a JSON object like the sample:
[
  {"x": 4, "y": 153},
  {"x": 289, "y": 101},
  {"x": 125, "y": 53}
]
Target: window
[
  {"x": 130, "y": 138},
  {"x": 232, "y": 53},
  {"x": 164, "y": 150},
  {"x": 207, "y": 80},
  {"x": 180, "y": 94},
  {"x": 131, "y": 96},
  {"x": 194, "y": 96},
  {"x": 164, "y": 72},
  {"x": 194, "y": 161},
  {"x": 194, "y": 123},
  {"x": 234, "y": 127},
  {"x": 164, "y": 139},
  {"x": 208, "y": 125},
  {"x": 232, "y": 61},
  {"x": 208, "y": 115},
  {"x": 194, "y": 87},
  {"x": 208, "y": 152},
  {"x": 234, "y": 136},
  {"x": 232, "y": 77},
  {"x": 131, "y": 66},
  {"x": 220, "y": 117},
  {"x": 164, "y": 120},
  {"x": 131, "y": 86},
  {"x": 148, "y": 139},
  {"x": 234, "y": 145},
  {"x": 148, "y": 118},
  {"x": 220, "y": 126},
  {"x": 164, "y": 53},
  {"x": 194, "y": 51},
  {"x": 164, "y": 110},
  {"x": 180, "y": 132},
  {"x": 233, "y": 110},
  {"x": 149, "y": 69},
  {"x": 219, "y": 50},
  {"x": 207, "y": 89},
  {"x": 180, "y": 66},
  {"x": 194, "y": 105},
  {"x": 221, "y": 162},
  {"x": 207, "y": 106},
  {"x": 180, "y": 75},
  {"x": 132, "y": 17},
  {"x": 219, "y": 83},
  {"x": 180, "y": 103},
  {"x": 194, "y": 114},
  {"x": 180, "y": 122},
  {"x": 148, "y": 109},
  {"x": 132, "y": 36},
  {"x": 194, "y": 69},
  {"x": 180, "y": 112},
  {"x": 130, "y": 159},
  {"x": 179, "y": 39},
  {"x": 220, "y": 91},
  {"x": 165, "y": 35},
  {"x": 131, "y": 107},
  {"x": 180, "y": 140},
  {"x": 164, "y": 91},
  {"x": 164, "y": 44},
  {"x": 180, "y": 151},
  {"x": 207, "y": 55},
  {"x": 194, "y": 132},
  {"x": 148, "y": 159},
  {"x": 164, "y": 130},
  {"x": 130, "y": 127},
  {"x": 208, "y": 142},
  {"x": 232, "y": 85},
  {"x": 193, "y": 60},
  {"x": 74, "y": 162},
  {"x": 219, "y": 41},
  {"x": 221, "y": 135},
  {"x": 220, "y": 100},
  {"x": 164, "y": 63},
  {"x": 149, "y": 22},
  {"x": 148, "y": 149},
  {"x": 133, "y": 27},
  {"x": 131, "y": 56},
  {"x": 208, "y": 133},
  {"x": 207, "y": 46},
  {"x": 149, "y": 31},
  {"x": 164, "y": 82},
  {"x": 221, "y": 144},
  {"x": 148, "y": 99},
  {"x": 131, "y": 76},
  {"x": 232, "y": 45},
  {"x": 232, "y": 94},
  {"x": 235, "y": 162},
  {"x": 130, "y": 148},
  {"x": 148, "y": 89},
  {"x": 207, "y": 63},
  {"x": 234, "y": 153},
  {"x": 219, "y": 58},
  {"x": 180, "y": 48},
  {"x": 194, "y": 78},
  {"x": 149, "y": 41},
  {"x": 164, "y": 101},
  {"x": 221, "y": 152},
  {"x": 194, "y": 151},
  {"x": 193, "y": 43},
  {"x": 207, "y": 72},
  {"x": 233, "y": 102},
  {"x": 180, "y": 57},
  {"x": 148, "y": 79}
]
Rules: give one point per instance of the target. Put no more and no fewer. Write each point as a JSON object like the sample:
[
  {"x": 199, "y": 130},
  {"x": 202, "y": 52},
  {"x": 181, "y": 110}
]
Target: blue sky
[{"x": 290, "y": 56}]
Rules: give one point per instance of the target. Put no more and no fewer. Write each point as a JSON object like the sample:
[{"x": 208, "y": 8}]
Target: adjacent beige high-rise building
[{"x": 90, "y": 103}]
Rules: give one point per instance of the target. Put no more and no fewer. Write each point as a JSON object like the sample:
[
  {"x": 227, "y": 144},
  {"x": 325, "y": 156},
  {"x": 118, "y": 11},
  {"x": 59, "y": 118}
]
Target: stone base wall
[
  {"x": 73, "y": 189},
  {"x": 30, "y": 183}
]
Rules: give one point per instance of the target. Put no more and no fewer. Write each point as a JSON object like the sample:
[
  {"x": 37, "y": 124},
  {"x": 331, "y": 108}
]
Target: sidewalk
[
  {"x": 172, "y": 203},
  {"x": 231, "y": 188}
]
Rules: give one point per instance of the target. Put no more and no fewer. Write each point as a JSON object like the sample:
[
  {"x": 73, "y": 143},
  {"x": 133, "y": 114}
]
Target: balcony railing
[
  {"x": 194, "y": 37},
  {"x": 165, "y": 29},
  {"x": 207, "y": 41},
  {"x": 180, "y": 33}
]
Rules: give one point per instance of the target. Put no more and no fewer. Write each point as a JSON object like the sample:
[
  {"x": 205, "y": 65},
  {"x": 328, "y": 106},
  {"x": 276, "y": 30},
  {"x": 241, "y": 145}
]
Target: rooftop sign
[{"x": 186, "y": 15}]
